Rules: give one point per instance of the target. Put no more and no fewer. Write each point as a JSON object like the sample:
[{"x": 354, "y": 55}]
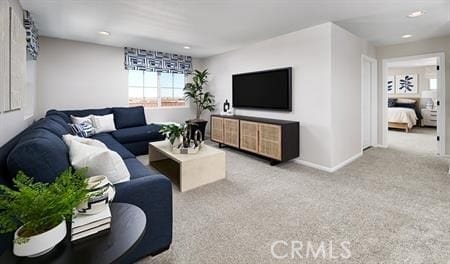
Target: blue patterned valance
[
  {"x": 149, "y": 60},
  {"x": 32, "y": 35}
]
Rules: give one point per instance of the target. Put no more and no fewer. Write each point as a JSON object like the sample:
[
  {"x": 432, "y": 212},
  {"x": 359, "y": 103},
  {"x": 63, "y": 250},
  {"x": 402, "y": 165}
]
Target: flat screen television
[{"x": 271, "y": 89}]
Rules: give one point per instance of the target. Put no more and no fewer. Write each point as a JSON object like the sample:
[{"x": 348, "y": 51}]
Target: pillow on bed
[
  {"x": 405, "y": 101},
  {"x": 392, "y": 102}
]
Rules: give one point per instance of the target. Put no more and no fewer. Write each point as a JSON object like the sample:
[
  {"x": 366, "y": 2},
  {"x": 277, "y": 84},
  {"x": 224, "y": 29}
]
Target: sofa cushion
[
  {"x": 147, "y": 133},
  {"x": 66, "y": 114},
  {"x": 129, "y": 117},
  {"x": 137, "y": 148},
  {"x": 113, "y": 145},
  {"x": 62, "y": 115},
  {"x": 4, "y": 152},
  {"x": 53, "y": 126},
  {"x": 40, "y": 154},
  {"x": 57, "y": 118},
  {"x": 137, "y": 169},
  {"x": 86, "y": 112}
]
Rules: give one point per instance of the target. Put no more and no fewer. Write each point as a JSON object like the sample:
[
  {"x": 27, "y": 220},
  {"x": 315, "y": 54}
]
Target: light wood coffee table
[{"x": 188, "y": 171}]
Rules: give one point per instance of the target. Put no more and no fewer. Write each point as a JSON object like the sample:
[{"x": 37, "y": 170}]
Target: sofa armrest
[{"x": 153, "y": 194}]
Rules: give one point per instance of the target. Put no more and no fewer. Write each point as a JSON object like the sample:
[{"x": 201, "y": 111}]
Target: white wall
[
  {"x": 427, "y": 46},
  {"x": 77, "y": 75},
  {"x": 346, "y": 94},
  {"x": 11, "y": 123},
  {"x": 308, "y": 52},
  {"x": 326, "y": 96},
  {"x": 31, "y": 89}
]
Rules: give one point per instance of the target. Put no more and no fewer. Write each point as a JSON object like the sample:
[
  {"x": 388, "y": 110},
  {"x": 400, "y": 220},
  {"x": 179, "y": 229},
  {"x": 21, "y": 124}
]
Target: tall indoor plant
[
  {"x": 202, "y": 100},
  {"x": 38, "y": 212}
]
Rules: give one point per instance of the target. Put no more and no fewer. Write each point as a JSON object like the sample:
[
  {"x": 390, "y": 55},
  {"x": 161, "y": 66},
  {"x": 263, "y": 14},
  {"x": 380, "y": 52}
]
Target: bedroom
[{"x": 412, "y": 115}]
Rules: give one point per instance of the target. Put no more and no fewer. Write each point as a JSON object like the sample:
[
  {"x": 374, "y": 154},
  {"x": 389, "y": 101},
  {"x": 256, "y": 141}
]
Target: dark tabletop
[{"x": 127, "y": 228}]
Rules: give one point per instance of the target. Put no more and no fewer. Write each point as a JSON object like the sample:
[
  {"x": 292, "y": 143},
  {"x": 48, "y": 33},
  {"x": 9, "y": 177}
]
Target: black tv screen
[{"x": 270, "y": 89}]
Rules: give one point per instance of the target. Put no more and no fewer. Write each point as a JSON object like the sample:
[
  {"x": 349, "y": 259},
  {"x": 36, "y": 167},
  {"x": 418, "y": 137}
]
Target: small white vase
[
  {"x": 101, "y": 192},
  {"x": 177, "y": 142},
  {"x": 40, "y": 244}
]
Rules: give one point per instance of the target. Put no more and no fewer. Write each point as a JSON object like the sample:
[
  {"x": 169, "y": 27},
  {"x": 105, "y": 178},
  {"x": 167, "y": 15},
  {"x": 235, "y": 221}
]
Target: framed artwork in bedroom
[
  {"x": 406, "y": 84},
  {"x": 390, "y": 84}
]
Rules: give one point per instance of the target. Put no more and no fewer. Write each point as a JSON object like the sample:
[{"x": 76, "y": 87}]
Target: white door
[{"x": 366, "y": 103}]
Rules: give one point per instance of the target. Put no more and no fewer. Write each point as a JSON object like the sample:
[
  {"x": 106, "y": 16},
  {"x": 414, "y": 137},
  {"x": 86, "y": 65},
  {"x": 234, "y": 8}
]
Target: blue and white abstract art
[
  {"x": 390, "y": 85},
  {"x": 406, "y": 84}
]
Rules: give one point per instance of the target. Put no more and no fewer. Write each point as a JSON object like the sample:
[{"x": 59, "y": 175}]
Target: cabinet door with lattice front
[
  {"x": 270, "y": 141},
  {"x": 249, "y": 136},
  {"x": 231, "y": 132},
  {"x": 217, "y": 129}
]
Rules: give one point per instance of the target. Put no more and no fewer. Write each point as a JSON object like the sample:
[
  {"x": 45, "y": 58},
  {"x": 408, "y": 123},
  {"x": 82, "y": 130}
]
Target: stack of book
[{"x": 84, "y": 225}]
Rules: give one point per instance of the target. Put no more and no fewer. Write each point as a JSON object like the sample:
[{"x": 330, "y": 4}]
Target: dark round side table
[{"x": 127, "y": 228}]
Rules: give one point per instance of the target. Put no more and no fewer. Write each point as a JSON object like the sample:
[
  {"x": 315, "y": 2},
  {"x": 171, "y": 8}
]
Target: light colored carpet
[
  {"x": 420, "y": 140},
  {"x": 393, "y": 206}
]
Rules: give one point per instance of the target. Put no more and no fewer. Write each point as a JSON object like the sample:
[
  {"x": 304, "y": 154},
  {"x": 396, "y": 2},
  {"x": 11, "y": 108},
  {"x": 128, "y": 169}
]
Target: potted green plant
[
  {"x": 203, "y": 100},
  {"x": 173, "y": 133},
  {"x": 38, "y": 212}
]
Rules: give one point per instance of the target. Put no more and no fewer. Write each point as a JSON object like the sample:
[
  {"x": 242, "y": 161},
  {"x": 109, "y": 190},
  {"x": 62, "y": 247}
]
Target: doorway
[{"x": 414, "y": 104}]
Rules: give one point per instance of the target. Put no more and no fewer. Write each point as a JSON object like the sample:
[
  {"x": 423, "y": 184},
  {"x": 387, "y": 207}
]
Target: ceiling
[
  {"x": 211, "y": 27},
  {"x": 432, "y": 61}
]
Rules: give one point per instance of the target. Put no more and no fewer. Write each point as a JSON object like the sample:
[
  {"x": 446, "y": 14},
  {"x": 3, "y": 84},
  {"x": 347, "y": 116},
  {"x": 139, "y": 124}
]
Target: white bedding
[{"x": 402, "y": 115}]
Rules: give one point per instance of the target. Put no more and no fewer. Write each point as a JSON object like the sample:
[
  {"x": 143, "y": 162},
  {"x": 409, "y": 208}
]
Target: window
[
  {"x": 433, "y": 84},
  {"x": 152, "y": 89}
]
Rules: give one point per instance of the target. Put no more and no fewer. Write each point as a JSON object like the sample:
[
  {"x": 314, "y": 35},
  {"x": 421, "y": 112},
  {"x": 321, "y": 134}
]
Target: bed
[{"x": 403, "y": 113}]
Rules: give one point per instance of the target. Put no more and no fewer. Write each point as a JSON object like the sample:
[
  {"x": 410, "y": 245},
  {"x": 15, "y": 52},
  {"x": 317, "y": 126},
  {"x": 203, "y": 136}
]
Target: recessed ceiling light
[
  {"x": 406, "y": 36},
  {"x": 104, "y": 33},
  {"x": 416, "y": 14},
  {"x": 186, "y": 47}
]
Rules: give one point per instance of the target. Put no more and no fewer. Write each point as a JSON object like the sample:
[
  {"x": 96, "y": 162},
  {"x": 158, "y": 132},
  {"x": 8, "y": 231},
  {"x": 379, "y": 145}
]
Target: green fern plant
[
  {"x": 194, "y": 91},
  {"x": 40, "y": 206}
]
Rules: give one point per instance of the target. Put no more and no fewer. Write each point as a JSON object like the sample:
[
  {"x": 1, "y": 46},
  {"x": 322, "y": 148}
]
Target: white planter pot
[
  {"x": 177, "y": 141},
  {"x": 105, "y": 194},
  {"x": 40, "y": 244}
]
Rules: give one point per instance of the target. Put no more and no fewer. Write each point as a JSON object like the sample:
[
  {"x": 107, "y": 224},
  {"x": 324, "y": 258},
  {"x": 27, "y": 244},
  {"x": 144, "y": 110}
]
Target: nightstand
[{"x": 429, "y": 117}]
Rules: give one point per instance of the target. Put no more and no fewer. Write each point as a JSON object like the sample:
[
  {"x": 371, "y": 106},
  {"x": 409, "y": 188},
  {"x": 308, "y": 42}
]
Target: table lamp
[{"x": 432, "y": 96}]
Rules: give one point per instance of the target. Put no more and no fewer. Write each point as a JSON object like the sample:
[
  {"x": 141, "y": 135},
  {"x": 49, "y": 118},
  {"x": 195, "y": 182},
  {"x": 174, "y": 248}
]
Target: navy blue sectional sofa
[{"x": 40, "y": 152}]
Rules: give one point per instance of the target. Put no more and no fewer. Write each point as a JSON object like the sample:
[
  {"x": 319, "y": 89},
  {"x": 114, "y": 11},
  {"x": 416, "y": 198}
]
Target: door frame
[
  {"x": 441, "y": 93},
  {"x": 373, "y": 100}
]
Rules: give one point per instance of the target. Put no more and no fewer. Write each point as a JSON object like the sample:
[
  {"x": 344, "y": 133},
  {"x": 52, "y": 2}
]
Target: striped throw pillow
[{"x": 84, "y": 129}]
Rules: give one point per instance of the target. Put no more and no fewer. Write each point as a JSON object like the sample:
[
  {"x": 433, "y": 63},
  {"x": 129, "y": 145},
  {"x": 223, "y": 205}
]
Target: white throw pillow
[
  {"x": 88, "y": 141},
  {"x": 79, "y": 119},
  {"x": 99, "y": 160},
  {"x": 406, "y": 101},
  {"x": 103, "y": 123}
]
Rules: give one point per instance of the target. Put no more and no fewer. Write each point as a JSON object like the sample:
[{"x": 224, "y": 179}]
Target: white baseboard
[
  {"x": 381, "y": 146},
  {"x": 312, "y": 165},
  {"x": 329, "y": 169},
  {"x": 347, "y": 161}
]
